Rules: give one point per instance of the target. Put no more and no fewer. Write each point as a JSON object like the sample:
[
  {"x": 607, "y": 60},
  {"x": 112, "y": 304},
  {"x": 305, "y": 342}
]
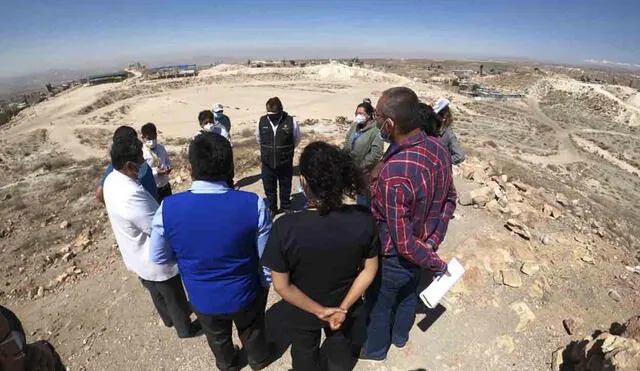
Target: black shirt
[{"x": 322, "y": 254}]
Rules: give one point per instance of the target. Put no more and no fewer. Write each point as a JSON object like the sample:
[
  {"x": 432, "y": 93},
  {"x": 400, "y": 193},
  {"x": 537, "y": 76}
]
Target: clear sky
[{"x": 39, "y": 35}]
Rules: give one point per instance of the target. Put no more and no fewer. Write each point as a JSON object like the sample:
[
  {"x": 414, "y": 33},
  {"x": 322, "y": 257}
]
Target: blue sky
[{"x": 38, "y": 35}]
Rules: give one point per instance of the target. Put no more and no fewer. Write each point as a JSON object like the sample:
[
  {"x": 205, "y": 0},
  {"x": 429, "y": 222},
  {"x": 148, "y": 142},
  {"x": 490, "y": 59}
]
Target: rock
[
  {"x": 529, "y": 268},
  {"x": 632, "y": 328},
  {"x": 505, "y": 342},
  {"x": 64, "y": 250},
  {"x": 571, "y": 325},
  {"x": 557, "y": 360},
  {"x": 562, "y": 199},
  {"x": 61, "y": 278},
  {"x": 524, "y": 313},
  {"x": 482, "y": 195},
  {"x": 504, "y": 178},
  {"x": 68, "y": 256},
  {"x": 39, "y": 292},
  {"x": 518, "y": 228},
  {"x": 480, "y": 200},
  {"x": 613, "y": 294},
  {"x": 64, "y": 225},
  {"x": 579, "y": 212},
  {"x": 550, "y": 211},
  {"x": 511, "y": 278},
  {"x": 503, "y": 201},
  {"x": 493, "y": 206},
  {"x": 465, "y": 199},
  {"x": 520, "y": 186},
  {"x": 514, "y": 210},
  {"x": 546, "y": 240},
  {"x": 513, "y": 194},
  {"x": 580, "y": 238},
  {"x": 588, "y": 259},
  {"x": 538, "y": 288}
]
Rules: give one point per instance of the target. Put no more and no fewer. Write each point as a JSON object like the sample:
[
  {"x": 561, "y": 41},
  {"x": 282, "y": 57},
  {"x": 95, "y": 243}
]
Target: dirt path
[{"x": 567, "y": 151}]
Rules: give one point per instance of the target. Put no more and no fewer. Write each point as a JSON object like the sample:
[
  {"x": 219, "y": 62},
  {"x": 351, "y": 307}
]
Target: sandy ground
[{"x": 102, "y": 319}]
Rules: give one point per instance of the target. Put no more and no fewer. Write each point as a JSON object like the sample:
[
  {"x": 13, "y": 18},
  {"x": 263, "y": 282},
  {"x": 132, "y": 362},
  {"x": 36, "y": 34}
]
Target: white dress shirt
[
  {"x": 131, "y": 211},
  {"x": 157, "y": 157}
]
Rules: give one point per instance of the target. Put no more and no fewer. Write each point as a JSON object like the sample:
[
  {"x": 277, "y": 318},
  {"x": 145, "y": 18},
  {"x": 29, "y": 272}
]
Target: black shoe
[
  {"x": 364, "y": 357},
  {"x": 195, "y": 330}
]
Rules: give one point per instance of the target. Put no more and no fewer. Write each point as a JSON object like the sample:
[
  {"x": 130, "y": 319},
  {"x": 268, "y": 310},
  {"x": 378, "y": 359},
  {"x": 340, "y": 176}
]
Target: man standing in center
[
  {"x": 278, "y": 134},
  {"x": 413, "y": 199},
  {"x": 216, "y": 235}
]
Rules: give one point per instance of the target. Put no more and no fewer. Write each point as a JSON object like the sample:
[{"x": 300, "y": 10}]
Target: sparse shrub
[
  {"x": 176, "y": 141},
  {"x": 309, "y": 122},
  {"x": 246, "y": 133},
  {"x": 491, "y": 143}
]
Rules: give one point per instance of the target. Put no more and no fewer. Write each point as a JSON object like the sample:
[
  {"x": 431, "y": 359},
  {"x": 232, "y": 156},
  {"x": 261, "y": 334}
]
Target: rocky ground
[{"x": 546, "y": 229}]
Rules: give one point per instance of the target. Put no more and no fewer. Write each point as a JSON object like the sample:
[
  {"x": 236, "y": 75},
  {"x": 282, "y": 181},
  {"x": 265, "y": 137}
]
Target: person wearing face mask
[
  {"x": 278, "y": 134},
  {"x": 131, "y": 209},
  {"x": 413, "y": 199},
  {"x": 447, "y": 136},
  {"x": 157, "y": 158},
  {"x": 220, "y": 118},
  {"x": 364, "y": 144},
  {"x": 145, "y": 176},
  {"x": 208, "y": 124}
]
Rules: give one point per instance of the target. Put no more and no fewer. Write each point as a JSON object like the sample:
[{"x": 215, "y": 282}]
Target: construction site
[{"x": 547, "y": 223}]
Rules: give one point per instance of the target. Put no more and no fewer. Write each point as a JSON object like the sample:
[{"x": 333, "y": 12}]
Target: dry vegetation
[{"x": 99, "y": 138}]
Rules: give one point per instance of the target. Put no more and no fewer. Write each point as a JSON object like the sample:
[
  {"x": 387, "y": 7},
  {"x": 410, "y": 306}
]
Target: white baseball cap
[
  {"x": 441, "y": 104},
  {"x": 217, "y": 107}
]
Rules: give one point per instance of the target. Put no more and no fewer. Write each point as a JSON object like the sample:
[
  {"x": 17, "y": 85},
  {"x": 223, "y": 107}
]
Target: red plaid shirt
[{"x": 413, "y": 200}]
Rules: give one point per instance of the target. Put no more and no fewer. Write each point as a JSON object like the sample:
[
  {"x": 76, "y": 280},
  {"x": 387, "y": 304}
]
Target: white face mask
[
  {"x": 208, "y": 127},
  {"x": 360, "y": 119},
  {"x": 151, "y": 143}
]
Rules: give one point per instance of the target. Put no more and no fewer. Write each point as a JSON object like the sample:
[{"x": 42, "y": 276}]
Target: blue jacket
[{"x": 213, "y": 238}]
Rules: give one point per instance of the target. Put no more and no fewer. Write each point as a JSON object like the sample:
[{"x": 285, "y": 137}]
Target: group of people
[{"x": 215, "y": 251}]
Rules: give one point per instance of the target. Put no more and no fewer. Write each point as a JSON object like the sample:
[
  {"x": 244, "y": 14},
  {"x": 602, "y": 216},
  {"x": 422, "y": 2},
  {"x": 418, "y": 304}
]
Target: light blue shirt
[{"x": 161, "y": 252}]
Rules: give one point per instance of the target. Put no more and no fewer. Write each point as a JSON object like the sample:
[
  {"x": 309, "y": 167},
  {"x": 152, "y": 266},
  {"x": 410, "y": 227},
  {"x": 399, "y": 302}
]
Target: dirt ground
[{"x": 547, "y": 166}]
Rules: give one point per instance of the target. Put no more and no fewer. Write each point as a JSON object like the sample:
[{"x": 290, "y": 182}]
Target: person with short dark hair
[
  {"x": 145, "y": 176},
  {"x": 208, "y": 124},
  {"x": 220, "y": 118},
  {"x": 216, "y": 236},
  {"x": 364, "y": 144},
  {"x": 157, "y": 158},
  {"x": 278, "y": 134},
  {"x": 413, "y": 199},
  {"x": 447, "y": 136},
  {"x": 131, "y": 209},
  {"x": 323, "y": 259}
]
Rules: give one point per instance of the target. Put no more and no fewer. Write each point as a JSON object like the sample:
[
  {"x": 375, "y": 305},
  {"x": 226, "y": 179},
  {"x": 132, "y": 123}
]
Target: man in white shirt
[
  {"x": 157, "y": 158},
  {"x": 131, "y": 211},
  {"x": 278, "y": 134}
]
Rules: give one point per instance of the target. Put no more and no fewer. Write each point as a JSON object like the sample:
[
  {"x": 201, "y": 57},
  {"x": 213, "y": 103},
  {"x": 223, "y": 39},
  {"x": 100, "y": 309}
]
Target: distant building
[
  {"x": 164, "y": 72},
  {"x": 108, "y": 77}
]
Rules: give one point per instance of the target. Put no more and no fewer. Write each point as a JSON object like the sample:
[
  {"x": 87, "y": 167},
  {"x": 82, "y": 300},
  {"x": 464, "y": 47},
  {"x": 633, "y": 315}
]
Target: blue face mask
[{"x": 217, "y": 115}]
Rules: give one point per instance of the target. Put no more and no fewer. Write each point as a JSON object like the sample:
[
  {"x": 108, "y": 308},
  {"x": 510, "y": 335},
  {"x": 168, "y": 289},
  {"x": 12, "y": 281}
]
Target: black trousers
[
  {"x": 271, "y": 177},
  {"x": 336, "y": 350},
  {"x": 171, "y": 303},
  {"x": 250, "y": 325},
  {"x": 164, "y": 192}
]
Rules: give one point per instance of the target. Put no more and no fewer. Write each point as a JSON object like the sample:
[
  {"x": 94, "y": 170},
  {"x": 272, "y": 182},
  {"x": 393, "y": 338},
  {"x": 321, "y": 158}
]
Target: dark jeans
[
  {"x": 250, "y": 325},
  {"x": 171, "y": 303},
  {"x": 336, "y": 349},
  {"x": 270, "y": 179},
  {"x": 164, "y": 192},
  {"x": 392, "y": 301}
]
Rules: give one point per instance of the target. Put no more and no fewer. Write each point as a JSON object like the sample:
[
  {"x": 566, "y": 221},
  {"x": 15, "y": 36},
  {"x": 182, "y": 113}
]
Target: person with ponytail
[
  {"x": 323, "y": 259},
  {"x": 364, "y": 144}
]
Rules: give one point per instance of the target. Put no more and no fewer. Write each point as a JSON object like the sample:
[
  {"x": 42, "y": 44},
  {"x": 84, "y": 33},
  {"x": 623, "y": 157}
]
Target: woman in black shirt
[{"x": 323, "y": 259}]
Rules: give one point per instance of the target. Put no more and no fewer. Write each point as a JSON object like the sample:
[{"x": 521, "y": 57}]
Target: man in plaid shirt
[{"x": 413, "y": 199}]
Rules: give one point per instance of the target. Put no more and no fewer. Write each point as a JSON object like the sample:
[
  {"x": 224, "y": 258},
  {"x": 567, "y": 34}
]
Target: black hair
[
  {"x": 124, "y": 131},
  {"x": 401, "y": 105},
  {"x": 125, "y": 149},
  {"x": 205, "y": 115},
  {"x": 429, "y": 120},
  {"x": 149, "y": 130},
  {"x": 368, "y": 108},
  {"x": 274, "y": 105},
  {"x": 330, "y": 174},
  {"x": 211, "y": 158}
]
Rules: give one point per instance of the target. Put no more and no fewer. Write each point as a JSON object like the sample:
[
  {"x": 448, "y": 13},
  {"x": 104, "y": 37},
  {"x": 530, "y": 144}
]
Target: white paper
[{"x": 432, "y": 295}]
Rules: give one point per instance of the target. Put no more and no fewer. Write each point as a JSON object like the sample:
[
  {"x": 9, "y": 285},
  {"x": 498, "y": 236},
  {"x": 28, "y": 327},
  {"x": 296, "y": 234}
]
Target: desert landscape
[{"x": 547, "y": 224}]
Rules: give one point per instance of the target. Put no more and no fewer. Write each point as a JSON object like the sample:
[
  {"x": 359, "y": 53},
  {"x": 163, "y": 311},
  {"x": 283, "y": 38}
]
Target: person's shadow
[{"x": 432, "y": 314}]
